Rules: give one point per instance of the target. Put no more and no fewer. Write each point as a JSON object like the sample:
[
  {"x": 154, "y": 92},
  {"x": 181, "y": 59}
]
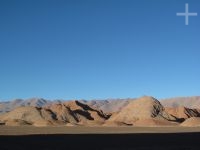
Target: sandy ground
[{"x": 29, "y": 130}]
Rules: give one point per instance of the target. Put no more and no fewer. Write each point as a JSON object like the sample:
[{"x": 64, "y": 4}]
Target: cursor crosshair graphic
[{"x": 186, "y": 14}]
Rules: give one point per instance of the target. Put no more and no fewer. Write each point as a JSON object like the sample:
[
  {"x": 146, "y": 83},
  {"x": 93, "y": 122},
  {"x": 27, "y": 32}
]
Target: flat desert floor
[
  {"x": 99, "y": 138},
  {"x": 29, "y": 130}
]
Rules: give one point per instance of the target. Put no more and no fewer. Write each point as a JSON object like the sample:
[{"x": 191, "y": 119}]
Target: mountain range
[
  {"x": 108, "y": 105},
  {"x": 144, "y": 111}
]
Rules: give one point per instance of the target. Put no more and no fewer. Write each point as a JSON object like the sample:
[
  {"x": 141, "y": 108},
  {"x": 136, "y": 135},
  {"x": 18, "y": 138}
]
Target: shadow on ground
[{"x": 149, "y": 141}]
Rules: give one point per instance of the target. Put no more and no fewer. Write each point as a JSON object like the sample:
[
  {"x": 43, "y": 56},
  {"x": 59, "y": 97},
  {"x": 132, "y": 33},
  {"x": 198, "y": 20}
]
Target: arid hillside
[
  {"x": 144, "y": 111},
  {"x": 68, "y": 113}
]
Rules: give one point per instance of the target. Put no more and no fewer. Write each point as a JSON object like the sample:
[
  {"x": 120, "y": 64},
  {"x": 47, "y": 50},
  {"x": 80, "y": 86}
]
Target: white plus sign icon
[{"x": 187, "y": 14}]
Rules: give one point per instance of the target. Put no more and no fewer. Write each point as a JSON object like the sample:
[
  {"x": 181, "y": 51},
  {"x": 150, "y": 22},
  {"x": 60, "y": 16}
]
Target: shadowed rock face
[
  {"x": 63, "y": 113},
  {"x": 183, "y": 113},
  {"x": 86, "y": 114},
  {"x": 72, "y": 112},
  {"x": 140, "y": 109}
]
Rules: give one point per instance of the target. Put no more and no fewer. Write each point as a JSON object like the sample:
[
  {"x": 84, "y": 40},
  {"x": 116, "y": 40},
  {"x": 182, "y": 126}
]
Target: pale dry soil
[{"x": 30, "y": 130}]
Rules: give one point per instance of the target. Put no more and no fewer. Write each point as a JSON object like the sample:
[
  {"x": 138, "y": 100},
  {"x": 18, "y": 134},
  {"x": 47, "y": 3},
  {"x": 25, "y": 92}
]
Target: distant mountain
[
  {"x": 107, "y": 106},
  {"x": 189, "y": 102},
  {"x": 10, "y": 105}
]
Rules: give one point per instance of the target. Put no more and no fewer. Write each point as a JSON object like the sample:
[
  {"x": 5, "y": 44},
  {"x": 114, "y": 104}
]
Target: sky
[{"x": 98, "y": 49}]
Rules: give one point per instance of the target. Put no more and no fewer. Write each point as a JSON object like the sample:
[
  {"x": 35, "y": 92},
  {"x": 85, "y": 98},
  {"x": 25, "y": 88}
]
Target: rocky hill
[
  {"x": 145, "y": 109},
  {"x": 69, "y": 113}
]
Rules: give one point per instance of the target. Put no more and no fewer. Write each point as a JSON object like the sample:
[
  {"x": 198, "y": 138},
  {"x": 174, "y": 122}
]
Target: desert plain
[{"x": 49, "y": 130}]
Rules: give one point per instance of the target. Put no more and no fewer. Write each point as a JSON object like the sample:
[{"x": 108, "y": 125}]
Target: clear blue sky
[{"x": 89, "y": 49}]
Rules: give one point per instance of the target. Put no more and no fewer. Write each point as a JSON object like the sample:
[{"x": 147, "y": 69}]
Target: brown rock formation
[
  {"x": 182, "y": 113},
  {"x": 140, "y": 109},
  {"x": 27, "y": 115},
  {"x": 191, "y": 122}
]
